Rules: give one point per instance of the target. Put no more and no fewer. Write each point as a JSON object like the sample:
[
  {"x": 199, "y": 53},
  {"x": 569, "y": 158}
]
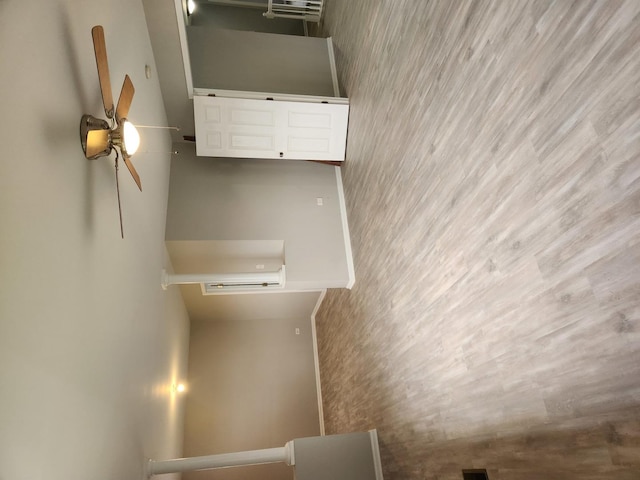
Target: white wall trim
[
  {"x": 316, "y": 359},
  {"x": 345, "y": 229},
  {"x": 184, "y": 45},
  {"x": 334, "y": 70},
  {"x": 375, "y": 450},
  {"x": 279, "y": 97}
]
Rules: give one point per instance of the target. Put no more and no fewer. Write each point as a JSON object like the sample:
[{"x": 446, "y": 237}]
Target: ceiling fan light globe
[{"x": 130, "y": 138}]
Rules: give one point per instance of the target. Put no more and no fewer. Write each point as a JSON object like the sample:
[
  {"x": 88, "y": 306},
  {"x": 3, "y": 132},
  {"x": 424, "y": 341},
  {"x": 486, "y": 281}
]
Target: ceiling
[{"x": 89, "y": 341}]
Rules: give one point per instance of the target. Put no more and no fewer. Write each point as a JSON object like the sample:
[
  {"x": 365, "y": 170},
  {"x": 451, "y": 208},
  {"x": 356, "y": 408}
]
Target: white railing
[{"x": 307, "y": 10}]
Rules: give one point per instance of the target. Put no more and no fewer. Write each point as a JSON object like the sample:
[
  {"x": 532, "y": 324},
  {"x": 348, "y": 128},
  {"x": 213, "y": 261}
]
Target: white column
[{"x": 250, "y": 457}]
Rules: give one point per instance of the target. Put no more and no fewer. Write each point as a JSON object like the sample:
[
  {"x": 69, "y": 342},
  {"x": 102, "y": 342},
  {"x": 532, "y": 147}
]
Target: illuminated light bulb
[
  {"x": 191, "y": 6},
  {"x": 178, "y": 388},
  {"x": 131, "y": 138}
]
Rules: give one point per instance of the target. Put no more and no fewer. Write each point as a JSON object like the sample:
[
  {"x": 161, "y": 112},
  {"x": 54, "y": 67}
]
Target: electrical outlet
[
  {"x": 320, "y": 201},
  {"x": 297, "y": 331}
]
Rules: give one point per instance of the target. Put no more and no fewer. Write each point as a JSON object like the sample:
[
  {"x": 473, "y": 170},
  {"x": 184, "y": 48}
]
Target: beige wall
[
  {"x": 251, "y": 386},
  {"x": 261, "y": 62},
  {"x": 244, "y": 199},
  {"x": 163, "y": 32}
]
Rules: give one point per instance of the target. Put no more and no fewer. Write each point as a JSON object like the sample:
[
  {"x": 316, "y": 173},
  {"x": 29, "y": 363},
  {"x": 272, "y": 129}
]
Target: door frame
[
  {"x": 280, "y": 97},
  {"x": 183, "y": 19}
]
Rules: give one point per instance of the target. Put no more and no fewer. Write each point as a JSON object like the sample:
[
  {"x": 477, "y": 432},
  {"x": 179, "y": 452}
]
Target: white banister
[{"x": 307, "y": 10}]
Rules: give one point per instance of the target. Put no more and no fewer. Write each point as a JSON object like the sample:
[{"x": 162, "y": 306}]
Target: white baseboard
[
  {"x": 316, "y": 360},
  {"x": 345, "y": 228}
]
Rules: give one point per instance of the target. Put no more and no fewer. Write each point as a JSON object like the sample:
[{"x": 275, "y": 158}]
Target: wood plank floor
[{"x": 493, "y": 191}]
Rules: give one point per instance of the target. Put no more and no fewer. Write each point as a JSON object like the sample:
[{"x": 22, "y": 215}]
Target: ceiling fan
[{"x": 100, "y": 137}]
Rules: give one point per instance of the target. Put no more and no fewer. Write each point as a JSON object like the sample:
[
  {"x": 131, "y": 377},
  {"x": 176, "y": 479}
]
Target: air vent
[{"x": 475, "y": 474}]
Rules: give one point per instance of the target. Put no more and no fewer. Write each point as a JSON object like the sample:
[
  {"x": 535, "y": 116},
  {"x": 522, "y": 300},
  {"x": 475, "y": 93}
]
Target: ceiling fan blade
[
  {"x": 126, "y": 97},
  {"x": 132, "y": 170},
  {"x": 97, "y": 142},
  {"x": 119, "y": 205},
  {"x": 100, "y": 49}
]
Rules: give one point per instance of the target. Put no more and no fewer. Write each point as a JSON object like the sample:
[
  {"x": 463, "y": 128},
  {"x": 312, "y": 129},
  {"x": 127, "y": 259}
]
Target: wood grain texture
[
  {"x": 102, "y": 63},
  {"x": 492, "y": 184}
]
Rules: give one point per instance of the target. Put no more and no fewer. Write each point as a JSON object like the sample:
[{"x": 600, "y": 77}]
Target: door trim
[
  {"x": 332, "y": 65},
  {"x": 182, "y": 19},
  {"x": 279, "y": 97}
]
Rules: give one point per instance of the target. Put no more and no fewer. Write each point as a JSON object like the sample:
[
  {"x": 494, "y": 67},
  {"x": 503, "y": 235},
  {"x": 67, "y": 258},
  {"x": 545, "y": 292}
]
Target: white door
[{"x": 235, "y": 127}]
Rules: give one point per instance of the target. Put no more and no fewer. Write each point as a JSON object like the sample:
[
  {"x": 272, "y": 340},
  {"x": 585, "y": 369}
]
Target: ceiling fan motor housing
[{"x": 90, "y": 123}]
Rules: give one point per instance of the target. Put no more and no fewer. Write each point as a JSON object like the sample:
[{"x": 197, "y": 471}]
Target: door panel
[{"x": 232, "y": 127}]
